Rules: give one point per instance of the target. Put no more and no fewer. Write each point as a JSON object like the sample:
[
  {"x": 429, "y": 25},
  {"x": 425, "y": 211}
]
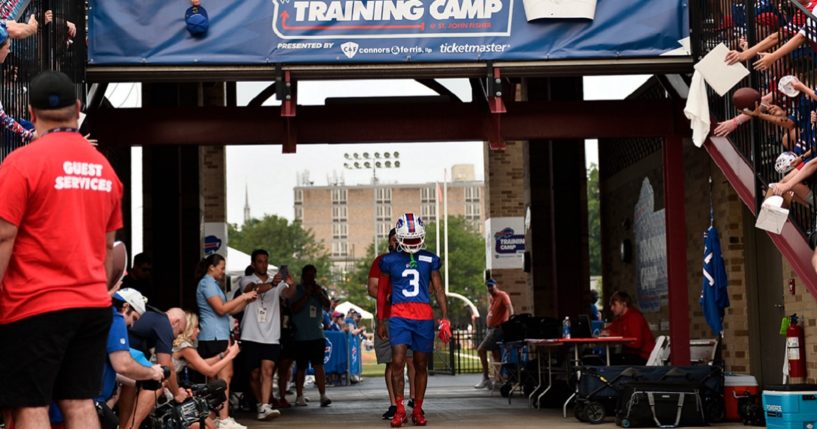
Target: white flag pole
[
  {"x": 437, "y": 196},
  {"x": 445, "y": 219}
]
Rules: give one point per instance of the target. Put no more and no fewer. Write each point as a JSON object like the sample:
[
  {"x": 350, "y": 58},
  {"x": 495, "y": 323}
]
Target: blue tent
[{"x": 714, "y": 297}]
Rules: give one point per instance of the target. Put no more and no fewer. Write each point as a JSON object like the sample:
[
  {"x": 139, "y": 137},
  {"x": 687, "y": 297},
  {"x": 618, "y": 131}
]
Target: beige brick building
[{"x": 345, "y": 218}]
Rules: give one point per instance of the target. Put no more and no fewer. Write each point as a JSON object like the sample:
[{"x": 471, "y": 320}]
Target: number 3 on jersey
[{"x": 414, "y": 282}]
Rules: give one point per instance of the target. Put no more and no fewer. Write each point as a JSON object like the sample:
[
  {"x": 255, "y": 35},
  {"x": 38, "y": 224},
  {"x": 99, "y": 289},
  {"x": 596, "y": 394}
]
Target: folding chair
[{"x": 660, "y": 353}]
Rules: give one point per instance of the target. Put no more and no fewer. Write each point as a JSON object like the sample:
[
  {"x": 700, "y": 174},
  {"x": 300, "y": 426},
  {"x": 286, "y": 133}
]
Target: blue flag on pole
[{"x": 714, "y": 297}]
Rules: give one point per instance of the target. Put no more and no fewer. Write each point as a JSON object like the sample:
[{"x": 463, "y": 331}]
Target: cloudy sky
[{"x": 269, "y": 175}]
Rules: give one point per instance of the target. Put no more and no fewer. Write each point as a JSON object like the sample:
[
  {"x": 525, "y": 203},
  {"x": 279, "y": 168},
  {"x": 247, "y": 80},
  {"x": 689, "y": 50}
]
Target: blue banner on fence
[
  {"x": 342, "y": 348},
  {"x": 378, "y": 31}
]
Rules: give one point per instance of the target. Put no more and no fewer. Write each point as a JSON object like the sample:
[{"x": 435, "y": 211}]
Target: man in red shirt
[
  {"x": 60, "y": 208},
  {"x": 500, "y": 310},
  {"x": 630, "y": 322}
]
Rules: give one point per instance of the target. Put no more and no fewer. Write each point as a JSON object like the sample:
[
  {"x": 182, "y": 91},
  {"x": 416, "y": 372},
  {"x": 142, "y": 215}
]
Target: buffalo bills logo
[
  {"x": 505, "y": 233},
  {"x": 399, "y": 223}
]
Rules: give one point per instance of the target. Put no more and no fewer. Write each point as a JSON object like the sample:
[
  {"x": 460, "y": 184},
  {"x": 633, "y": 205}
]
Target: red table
[{"x": 575, "y": 342}]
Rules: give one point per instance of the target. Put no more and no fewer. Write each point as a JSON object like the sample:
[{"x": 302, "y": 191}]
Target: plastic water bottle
[{"x": 566, "y": 328}]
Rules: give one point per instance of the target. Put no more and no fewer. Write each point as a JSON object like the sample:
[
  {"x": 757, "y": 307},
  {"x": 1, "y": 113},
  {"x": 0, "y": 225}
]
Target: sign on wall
[
  {"x": 378, "y": 31},
  {"x": 650, "y": 251},
  {"x": 215, "y": 239},
  {"x": 505, "y": 241}
]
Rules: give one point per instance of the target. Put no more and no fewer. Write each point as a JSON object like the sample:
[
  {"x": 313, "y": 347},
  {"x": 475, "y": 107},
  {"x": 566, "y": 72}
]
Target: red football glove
[{"x": 445, "y": 330}]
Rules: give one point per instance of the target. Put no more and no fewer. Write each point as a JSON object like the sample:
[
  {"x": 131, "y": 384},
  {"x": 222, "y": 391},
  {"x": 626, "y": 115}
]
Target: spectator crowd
[{"x": 784, "y": 61}]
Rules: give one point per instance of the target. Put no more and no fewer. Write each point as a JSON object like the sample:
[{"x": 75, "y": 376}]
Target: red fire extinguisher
[{"x": 796, "y": 349}]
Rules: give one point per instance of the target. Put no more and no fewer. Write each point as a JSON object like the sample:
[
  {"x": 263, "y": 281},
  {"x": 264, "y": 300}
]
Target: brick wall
[
  {"x": 729, "y": 222},
  {"x": 504, "y": 197},
  {"x": 804, "y": 304},
  {"x": 213, "y": 183},
  {"x": 619, "y": 194},
  {"x": 317, "y": 211}
]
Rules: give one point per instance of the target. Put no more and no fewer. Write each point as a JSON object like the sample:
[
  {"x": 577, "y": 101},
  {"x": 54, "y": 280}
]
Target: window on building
[
  {"x": 339, "y": 196},
  {"x": 383, "y": 195},
  {"x": 299, "y": 213},
  {"x": 299, "y": 196},
  {"x": 383, "y": 229},
  {"x": 339, "y": 213},
  {"x": 472, "y": 211},
  {"x": 340, "y": 248},
  {"x": 429, "y": 212},
  {"x": 384, "y": 212},
  {"x": 428, "y": 194},
  {"x": 472, "y": 193},
  {"x": 340, "y": 230}
]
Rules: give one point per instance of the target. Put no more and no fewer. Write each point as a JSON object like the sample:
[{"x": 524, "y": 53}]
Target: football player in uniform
[
  {"x": 409, "y": 277},
  {"x": 382, "y": 347}
]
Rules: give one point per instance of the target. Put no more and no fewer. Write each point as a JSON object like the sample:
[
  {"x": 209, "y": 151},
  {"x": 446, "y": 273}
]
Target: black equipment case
[{"x": 665, "y": 404}]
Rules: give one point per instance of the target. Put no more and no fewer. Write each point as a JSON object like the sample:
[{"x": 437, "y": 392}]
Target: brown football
[{"x": 745, "y": 98}]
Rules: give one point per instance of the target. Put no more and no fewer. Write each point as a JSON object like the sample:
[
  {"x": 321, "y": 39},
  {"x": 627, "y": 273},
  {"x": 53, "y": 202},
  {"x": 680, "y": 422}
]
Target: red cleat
[
  {"x": 399, "y": 418},
  {"x": 418, "y": 418}
]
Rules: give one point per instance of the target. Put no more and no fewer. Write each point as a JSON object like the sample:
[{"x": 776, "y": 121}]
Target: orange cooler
[{"x": 736, "y": 386}]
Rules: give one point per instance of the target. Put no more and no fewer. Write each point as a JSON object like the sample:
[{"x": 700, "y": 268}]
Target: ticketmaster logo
[{"x": 349, "y": 49}]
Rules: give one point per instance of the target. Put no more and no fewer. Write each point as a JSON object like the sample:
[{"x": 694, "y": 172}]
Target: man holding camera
[
  {"x": 156, "y": 331},
  {"x": 129, "y": 306},
  {"x": 261, "y": 329},
  {"x": 310, "y": 342}
]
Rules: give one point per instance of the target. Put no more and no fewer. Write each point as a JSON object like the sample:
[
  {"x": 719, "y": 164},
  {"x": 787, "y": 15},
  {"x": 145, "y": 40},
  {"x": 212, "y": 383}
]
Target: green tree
[
  {"x": 287, "y": 243},
  {"x": 594, "y": 220},
  {"x": 466, "y": 266}
]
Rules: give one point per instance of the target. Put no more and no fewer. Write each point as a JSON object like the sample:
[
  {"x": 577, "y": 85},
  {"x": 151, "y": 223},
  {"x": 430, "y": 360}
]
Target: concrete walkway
[{"x": 451, "y": 402}]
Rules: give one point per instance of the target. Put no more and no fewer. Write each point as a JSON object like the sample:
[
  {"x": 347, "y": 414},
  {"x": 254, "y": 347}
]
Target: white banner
[{"x": 505, "y": 243}]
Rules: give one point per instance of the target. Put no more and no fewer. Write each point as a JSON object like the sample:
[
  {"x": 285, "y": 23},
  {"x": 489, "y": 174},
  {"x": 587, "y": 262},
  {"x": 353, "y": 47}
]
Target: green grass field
[{"x": 441, "y": 363}]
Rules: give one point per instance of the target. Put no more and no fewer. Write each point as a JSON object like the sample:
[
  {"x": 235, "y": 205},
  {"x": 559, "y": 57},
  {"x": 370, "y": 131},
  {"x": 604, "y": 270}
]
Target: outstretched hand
[{"x": 765, "y": 62}]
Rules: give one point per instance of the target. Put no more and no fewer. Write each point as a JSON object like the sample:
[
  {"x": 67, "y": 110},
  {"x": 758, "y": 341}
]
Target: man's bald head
[{"x": 177, "y": 320}]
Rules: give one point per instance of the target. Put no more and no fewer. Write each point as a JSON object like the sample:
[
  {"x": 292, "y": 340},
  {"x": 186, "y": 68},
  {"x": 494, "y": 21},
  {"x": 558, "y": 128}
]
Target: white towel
[{"x": 697, "y": 109}]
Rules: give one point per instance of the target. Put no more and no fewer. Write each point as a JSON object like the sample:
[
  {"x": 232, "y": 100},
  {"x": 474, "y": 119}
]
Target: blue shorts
[{"x": 418, "y": 335}]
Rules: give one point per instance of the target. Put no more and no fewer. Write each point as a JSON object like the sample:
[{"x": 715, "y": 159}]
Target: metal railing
[
  {"x": 459, "y": 355},
  {"x": 741, "y": 25},
  {"x": 58, "y": 44}
]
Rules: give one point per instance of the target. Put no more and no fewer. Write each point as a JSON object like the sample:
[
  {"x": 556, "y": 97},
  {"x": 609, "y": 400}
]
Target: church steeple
[{"x": 246, "y": 204}]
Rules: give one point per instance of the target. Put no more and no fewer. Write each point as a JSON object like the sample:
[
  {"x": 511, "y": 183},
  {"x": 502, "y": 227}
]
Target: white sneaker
[
  {"x": 228, "y": 423},
  {"x": 485, "y": 383},
  {"x": 266, "y": 412},
  {"x": 300, "y": 402}
]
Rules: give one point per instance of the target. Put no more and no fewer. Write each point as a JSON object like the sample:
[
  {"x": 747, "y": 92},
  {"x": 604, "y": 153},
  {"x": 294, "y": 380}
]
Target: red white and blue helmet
[{"x": 411, "y": 233}]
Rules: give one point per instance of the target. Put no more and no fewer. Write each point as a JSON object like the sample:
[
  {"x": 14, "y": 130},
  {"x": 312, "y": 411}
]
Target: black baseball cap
[{"x": 52, "y": 90}]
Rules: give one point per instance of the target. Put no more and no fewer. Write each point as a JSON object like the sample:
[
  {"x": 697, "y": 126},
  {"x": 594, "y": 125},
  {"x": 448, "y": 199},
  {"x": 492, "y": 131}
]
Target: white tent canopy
[{"x": 345, "y": 306}]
